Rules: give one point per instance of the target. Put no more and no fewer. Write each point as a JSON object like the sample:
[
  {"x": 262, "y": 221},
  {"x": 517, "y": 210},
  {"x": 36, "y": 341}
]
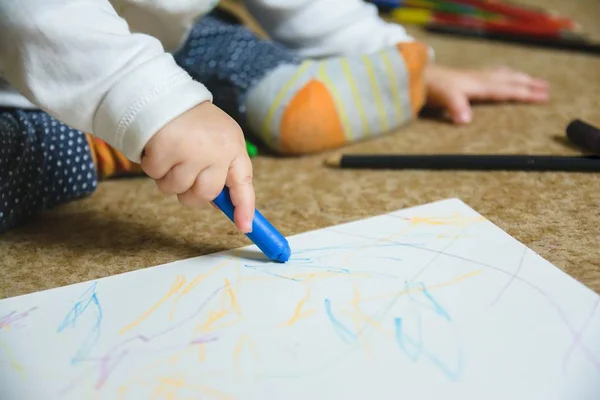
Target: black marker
[
  {"x": 467, "y": 162},
  {"x": 584, "y": 135}
]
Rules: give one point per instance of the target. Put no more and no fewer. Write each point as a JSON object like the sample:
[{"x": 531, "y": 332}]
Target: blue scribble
[
  {"x": 89, "y": 298},
  {"x": 437, "y": 308},
  {"x": 344, "y": 333},
  {"x": 271, "y": 273},
  {"x": 390, "y": 258},
  {"x": 403, "y": 339}
]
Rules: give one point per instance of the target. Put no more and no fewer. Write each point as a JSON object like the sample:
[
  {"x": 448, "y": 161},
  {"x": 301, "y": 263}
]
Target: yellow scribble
[
  {"x": 244, "y": 342},
  {"x": 367, "y": 319},
  {"x": 298, "y": 313},
  {"x": 232, "y": 297},
  {"x": 453, "y": 220},
  {"x": 201, "y": 352},
  {"x": 229, "y": 304},
  {"x": 193, "y": 283},
  {"x": 356, "y": 305},
  {"x": 429, "y": 287},
  {"x": 177, "y": 285},
  {"x": 213, "y": 317},
  {"x": 122, "y": 391},
  {"x": 305, "y": 278},
  {"x": 11, "y": 358}
]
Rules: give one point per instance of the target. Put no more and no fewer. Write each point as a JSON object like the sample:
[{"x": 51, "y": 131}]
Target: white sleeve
[
  {"x": 320, "y": 28},
  {"x": 78, "y": 61}
]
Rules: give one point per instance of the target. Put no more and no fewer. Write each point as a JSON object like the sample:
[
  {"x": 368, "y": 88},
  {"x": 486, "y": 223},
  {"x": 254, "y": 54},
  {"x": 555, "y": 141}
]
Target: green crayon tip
[{"x": 252, "y": 149}]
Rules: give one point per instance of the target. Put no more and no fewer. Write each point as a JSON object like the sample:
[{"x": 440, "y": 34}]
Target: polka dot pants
[
  {"x": 229, "y": 60},
  {"x": 43, "y": 163}
]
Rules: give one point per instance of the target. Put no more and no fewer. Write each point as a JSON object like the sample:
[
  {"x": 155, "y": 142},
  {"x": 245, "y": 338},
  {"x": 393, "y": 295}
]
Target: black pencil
[
  {"x": 567, "y": 44},
  {"x": 467, "y": 162}
]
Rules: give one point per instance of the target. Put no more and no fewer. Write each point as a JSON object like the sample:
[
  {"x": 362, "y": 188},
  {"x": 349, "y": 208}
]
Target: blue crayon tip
[{"x": 263, "y": 234}]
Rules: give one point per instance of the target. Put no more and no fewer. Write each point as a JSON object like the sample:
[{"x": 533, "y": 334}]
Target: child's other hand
[
  {"x": 452, "y": 89},
  {"x": 199, "y": 153}
]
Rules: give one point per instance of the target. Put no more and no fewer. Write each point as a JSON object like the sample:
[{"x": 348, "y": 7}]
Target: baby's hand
[
  {"x": 454, "y": 89},
  {"x": 199, "y": 153}
]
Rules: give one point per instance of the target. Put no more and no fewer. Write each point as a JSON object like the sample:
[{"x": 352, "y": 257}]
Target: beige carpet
[{"x": 127, "y": 225}]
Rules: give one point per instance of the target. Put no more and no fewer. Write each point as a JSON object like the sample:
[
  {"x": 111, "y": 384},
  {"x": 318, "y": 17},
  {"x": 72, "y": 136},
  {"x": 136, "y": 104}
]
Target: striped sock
[
  {"x": 109, "y": 162},
  {"x": 322, "y": 105}
]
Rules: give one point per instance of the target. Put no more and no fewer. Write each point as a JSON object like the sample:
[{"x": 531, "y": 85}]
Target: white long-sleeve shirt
[{"x": 106, "y": 66}]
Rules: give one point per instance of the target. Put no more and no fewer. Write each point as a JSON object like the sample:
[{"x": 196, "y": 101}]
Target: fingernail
[{"x": 464, "y": 117}]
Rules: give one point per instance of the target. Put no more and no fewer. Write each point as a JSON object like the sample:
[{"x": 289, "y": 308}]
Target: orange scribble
[
  {"x": 298, "y": 313},
  {"x": 177, "y": 285}
]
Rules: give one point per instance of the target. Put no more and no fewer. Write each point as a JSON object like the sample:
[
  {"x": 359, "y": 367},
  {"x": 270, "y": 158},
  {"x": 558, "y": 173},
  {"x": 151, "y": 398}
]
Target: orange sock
[
  {"x": 109, "y": 162},
  {"x": 322, "y": 105}
]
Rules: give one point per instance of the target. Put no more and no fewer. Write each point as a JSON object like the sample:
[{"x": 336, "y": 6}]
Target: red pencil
[
  {"x": 519, "y": 13},
  {"x": 515, "y": 27}
]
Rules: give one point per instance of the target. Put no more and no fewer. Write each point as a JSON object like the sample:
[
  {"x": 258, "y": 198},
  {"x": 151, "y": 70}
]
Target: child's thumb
[{"x": 459, "y": 108}]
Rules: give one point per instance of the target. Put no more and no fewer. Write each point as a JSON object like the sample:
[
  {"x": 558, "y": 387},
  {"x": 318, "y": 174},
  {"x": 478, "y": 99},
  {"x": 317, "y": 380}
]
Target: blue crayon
[{"x": 263, "y": 234}]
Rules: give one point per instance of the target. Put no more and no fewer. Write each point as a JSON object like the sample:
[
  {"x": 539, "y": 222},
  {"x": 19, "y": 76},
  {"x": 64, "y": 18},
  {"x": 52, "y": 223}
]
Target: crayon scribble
[
  {"x": 11, "y": 358},
  {"x": 299, "y": 312},
  {"x": 104, "y": 366},
  {"x": 437, "y": 308},
  {"x": 342, "y": 331},
  {"x": 414, "y": 348},
  {"x": 552, "y": 302},
  {"x": 87, "y": 299},
  {"x": 15, "y": 319},
  {"x": 577, "y": 338},
  {"x": 267, "y": 272},
  {"x": 406, "y": 343},
  {"x": 177, "y": 285}
]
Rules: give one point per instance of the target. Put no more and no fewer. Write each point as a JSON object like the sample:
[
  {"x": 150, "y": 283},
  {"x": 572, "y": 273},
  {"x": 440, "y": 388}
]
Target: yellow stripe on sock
[
  {"x": 337, "y": 100},
  {"x": 281, "y": 95},
  {"x": 376, "y": 94},
  {"x": 393, "y": 84},
  {"x": 356, "y": 95}
]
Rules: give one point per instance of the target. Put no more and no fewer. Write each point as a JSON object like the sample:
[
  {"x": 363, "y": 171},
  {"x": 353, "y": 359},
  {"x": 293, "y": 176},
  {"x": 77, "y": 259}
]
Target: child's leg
[
  {"x": 305, "y": 106},
  {"x": 44, "y": 163}
]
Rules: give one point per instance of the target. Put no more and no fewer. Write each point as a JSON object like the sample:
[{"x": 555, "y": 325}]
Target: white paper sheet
[{"x": 429, "y": 302}]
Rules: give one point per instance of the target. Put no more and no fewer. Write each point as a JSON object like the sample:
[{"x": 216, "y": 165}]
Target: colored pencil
[
  {"x": 519, "y": 13},
  {"x": 565, "y": 42},
  {"x": 466, "y": 162},
  {"x": 425, "y": 17},
  {"x": 440, "y": 6}
]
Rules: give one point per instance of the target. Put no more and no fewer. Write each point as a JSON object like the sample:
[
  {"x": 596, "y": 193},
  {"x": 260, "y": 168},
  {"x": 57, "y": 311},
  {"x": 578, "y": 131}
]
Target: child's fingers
[
  {"x": 521, "y": 93},
  {"x": 179, "y": 179},
  {"x": 459, "y": 108},
  {"x": 241, "y": 190},
  {"x": 520, "y": 78},
  {"x": 207, "y": 186}
]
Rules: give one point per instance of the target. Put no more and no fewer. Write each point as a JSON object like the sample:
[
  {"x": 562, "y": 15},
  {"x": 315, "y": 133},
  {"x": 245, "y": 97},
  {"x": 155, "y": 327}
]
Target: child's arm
[
  {"x": 321, "y": 28},
  {"x": 78, "y": 61}
]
